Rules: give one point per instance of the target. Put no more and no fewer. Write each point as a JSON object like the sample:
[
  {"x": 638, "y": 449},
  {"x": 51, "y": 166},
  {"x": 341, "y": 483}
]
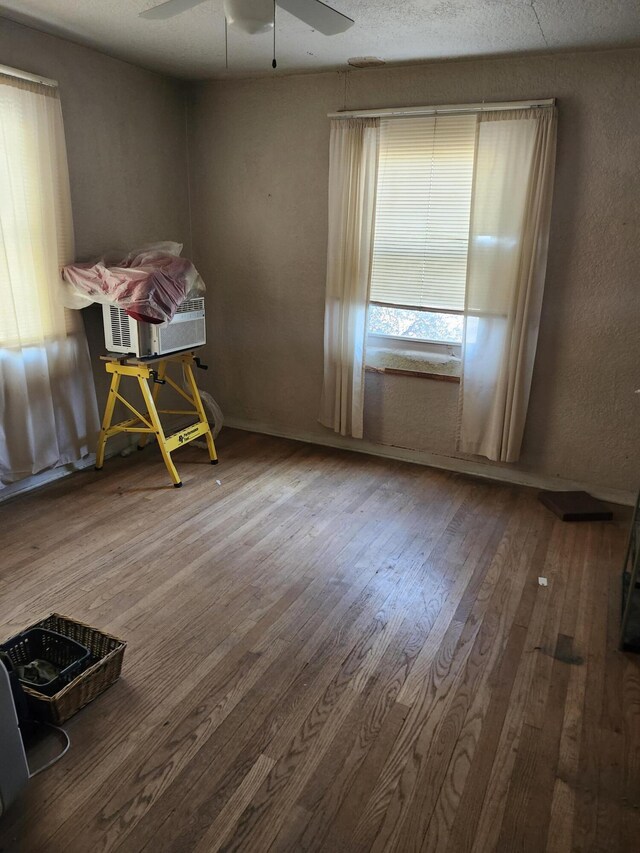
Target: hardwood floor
[{"x": 328, "y": 652}]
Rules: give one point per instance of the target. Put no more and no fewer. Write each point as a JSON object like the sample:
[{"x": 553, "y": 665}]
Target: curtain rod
[
  {"x": 6, "y": 71},
  {"x": 446, "y": 108}
]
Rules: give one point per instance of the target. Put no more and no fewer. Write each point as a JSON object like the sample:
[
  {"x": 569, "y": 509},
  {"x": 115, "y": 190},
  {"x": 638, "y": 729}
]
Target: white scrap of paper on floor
[{"x": 542, "y": 582}]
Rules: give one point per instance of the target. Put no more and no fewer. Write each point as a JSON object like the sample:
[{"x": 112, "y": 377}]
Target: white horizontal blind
[{"x": 422, "y": 211}]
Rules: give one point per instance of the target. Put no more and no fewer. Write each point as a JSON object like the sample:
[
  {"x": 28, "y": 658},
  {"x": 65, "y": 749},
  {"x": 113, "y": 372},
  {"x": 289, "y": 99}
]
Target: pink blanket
[{"x": 148, "y": 283}]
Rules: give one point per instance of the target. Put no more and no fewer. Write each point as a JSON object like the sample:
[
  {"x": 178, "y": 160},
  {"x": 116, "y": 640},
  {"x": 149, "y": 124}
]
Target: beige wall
[
  {"x": 259, "y": 164},
  {"x": 125, "y": 132}
]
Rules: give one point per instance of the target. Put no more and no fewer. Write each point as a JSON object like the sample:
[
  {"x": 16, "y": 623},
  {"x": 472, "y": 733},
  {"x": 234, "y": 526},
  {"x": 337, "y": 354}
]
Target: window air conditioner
[{"x": 124, "y": 334}]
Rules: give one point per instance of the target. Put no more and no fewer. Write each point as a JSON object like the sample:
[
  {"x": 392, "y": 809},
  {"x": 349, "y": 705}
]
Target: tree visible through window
[{"x": 419, "y": 325}]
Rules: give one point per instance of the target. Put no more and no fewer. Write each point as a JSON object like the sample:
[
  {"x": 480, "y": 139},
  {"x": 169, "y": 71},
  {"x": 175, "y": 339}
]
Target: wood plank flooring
[{"x": 328, "y": 652}]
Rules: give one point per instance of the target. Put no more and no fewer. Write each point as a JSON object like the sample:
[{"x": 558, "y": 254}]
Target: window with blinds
[{"x": 422, "y": 212}]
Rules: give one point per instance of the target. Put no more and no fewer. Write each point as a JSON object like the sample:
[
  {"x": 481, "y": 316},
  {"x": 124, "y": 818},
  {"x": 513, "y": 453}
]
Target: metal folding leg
[{"x": 148, "y": 422}]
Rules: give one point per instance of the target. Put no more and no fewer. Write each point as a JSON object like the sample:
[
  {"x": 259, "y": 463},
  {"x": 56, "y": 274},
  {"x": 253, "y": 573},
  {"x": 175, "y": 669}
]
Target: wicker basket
[{"x": 104, "y": 668}]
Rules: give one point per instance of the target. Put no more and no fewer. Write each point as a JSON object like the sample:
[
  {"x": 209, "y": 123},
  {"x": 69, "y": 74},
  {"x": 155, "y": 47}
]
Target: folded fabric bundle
[{"x": 149, "y": 283}]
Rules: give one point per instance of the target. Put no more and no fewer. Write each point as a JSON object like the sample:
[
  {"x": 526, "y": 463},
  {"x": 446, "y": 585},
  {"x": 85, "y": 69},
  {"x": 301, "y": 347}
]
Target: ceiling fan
[{"x": 258, "y": 16}]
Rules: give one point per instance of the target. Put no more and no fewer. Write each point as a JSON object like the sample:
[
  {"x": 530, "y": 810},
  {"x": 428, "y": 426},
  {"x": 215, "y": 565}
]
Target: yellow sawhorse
[{"x": 148, "y": 423}]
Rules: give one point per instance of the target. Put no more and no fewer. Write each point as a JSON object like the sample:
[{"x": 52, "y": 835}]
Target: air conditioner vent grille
[
  {"x": 191, "y": 305},
  {"x": 177, "y": 336},
  {"x": 120, "y": 330}
]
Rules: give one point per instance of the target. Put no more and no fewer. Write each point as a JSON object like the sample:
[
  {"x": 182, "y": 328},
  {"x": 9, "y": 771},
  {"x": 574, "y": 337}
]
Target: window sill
[
  {"x": 414, "y": 361},
  {"x": 421, "y": 374}
]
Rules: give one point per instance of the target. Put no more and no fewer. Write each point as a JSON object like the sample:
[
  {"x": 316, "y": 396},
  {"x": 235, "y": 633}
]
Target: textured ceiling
[{"x": 192, "y": 45}]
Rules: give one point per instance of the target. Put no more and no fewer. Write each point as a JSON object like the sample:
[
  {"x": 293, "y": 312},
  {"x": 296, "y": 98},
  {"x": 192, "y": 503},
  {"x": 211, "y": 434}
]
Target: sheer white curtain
[
  {"x": 353, "y": 171},
  {"x": 509, "y": 233},
  {"x": 48, "y": 411}
]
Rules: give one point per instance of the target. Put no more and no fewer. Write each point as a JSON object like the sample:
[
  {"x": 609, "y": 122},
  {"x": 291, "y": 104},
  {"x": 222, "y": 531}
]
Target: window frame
[{"x": 419, "y": 345}]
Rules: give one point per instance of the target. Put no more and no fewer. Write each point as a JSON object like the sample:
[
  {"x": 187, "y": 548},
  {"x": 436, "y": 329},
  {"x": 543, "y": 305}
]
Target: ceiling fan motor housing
[{"x": 249, "y": 16}]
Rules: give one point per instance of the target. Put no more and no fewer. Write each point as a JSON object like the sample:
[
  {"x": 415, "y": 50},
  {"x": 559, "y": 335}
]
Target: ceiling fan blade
[
  {"x": 169, "y": 9},
  {"x": 318, "y": 15}
]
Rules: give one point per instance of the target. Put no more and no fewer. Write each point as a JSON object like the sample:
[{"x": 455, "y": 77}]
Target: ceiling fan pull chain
[
  {"x": 274, "y": 64},
  {"x": 226, "y": 43}
]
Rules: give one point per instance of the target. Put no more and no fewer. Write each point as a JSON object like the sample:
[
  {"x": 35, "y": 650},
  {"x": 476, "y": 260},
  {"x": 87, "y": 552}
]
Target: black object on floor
[
  {"x": 575, "y": 506},
  {"x": 46, "y": 660}
]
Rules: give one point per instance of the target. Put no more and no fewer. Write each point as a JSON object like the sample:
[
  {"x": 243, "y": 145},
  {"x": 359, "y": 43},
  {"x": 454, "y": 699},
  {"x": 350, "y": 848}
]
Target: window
[
  {"x": 462, "y": 229},
  {"x": 45, "y": 370},
  {"x": 421, "y": 238},
  {"x": 35, "y": 213}
]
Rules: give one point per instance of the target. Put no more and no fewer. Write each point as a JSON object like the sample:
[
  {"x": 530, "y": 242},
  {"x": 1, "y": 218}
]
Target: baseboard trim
[
  {"x": 35, "y": 481},
  {"x": 488, "y": 471},
  {"x": 44, "y": 478},
  {"x": 386, "y": 451}
]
